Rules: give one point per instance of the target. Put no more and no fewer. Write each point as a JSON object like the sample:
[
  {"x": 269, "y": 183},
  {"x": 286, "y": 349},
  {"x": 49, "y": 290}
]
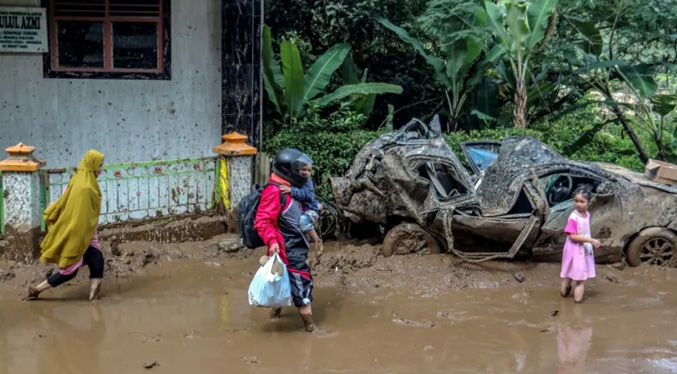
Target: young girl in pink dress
[{"x": 578, "y": 260}]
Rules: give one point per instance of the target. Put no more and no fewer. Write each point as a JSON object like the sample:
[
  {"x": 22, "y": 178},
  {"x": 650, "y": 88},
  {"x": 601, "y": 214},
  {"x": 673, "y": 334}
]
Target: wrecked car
[{"x": 512, "y": 201}]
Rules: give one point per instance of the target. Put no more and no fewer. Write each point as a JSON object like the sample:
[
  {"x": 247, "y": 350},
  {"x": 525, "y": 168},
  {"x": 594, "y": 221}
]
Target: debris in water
[
  {"x": 554, "y": 313},
  {"x": 213, "y": 264},
  {"x": 151, "y": 364},
  {"x": 251, "y": 360},
  {"x": 153, "y": 339},
  {"x": 518, "y": 276},
  {"x": 194, "y": 334},
  {"x": 407, "y": 322},
  {"x": 611, "y": 278},
  {"x": 147, "y": 339}
]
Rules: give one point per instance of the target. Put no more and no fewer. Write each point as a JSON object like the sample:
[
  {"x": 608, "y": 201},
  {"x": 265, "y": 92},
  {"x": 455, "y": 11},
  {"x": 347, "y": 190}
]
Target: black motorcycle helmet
[{"x": 287, "y": 164}]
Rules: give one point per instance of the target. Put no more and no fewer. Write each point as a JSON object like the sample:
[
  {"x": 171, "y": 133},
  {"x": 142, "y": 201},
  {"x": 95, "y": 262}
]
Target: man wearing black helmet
[{"x": 279, "y": 227}]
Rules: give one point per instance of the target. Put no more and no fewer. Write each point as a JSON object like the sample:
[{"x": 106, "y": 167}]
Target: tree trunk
[
  {"x": 661, "y": 149},
  {"x": 521, "y": 105},
  {"x": 643, "y": 155}
]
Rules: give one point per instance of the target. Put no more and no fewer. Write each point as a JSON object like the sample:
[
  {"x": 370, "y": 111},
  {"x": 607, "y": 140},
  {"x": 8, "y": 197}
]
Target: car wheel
[
  {"x": 408, "y": 238},
  {"x": 654, "y": 246}
]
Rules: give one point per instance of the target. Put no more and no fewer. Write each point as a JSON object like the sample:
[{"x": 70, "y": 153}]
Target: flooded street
[{"x": 189, "y": 316}]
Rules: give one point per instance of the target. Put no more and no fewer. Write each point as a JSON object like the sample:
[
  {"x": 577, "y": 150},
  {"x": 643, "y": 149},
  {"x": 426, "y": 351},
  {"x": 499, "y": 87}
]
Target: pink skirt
[{"x": 576, "y": 264}]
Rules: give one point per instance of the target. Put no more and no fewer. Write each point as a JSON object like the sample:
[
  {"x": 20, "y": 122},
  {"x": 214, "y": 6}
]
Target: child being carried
[{"x": 311, "y": 206}]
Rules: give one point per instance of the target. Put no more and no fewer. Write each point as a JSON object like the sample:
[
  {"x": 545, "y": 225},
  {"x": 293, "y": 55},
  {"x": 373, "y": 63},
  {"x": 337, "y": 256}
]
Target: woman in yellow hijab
[{"x": 72, "y": 221}]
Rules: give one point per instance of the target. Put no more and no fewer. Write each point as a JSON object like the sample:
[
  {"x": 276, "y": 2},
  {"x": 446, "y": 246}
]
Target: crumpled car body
[{"x": 513, "y": 200}]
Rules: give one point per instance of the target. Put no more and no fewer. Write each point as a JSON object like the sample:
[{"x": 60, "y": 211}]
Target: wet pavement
[{"x": 189, "y": 316}]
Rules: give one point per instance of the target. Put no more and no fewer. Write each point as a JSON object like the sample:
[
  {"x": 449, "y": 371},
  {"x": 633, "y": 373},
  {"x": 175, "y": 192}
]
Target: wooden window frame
[{"x": 162, "y": 72}]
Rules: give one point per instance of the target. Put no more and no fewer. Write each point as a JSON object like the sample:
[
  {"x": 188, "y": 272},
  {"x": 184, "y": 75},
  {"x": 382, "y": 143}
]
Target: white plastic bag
[{"x": 269, "y": 290}]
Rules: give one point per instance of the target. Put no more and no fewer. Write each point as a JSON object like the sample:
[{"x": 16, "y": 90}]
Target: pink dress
[{"x": 577, "y": 262}]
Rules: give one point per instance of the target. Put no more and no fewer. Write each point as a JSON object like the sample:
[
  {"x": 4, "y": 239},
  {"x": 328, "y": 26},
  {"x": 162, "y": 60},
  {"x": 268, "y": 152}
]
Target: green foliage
[
  {"x": 447, "y": 20},
  {"x": 324, "y": 23},
  {"x": 606, "y": 145},
  {"x": 608, "y": 72},
  {"x": 657, "y": 117},
  {"x": 455, "y": 54},
  {"x": 290, "y": 89}
]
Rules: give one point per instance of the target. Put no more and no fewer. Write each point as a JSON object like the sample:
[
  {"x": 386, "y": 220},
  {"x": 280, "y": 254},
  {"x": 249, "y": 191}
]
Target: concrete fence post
[
  {"x": 22, "y": 207},
  {"x": 235, "y": 169}
]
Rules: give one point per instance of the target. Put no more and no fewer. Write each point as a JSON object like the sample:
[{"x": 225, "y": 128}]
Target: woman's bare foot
[{"x": 34, "y": 292}]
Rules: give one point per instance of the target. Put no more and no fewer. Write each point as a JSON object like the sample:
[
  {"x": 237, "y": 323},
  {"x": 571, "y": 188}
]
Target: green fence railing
[{"x": 144, "y": 190}]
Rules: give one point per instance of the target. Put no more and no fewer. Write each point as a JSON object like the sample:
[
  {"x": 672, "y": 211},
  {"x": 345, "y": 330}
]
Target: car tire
[
  {"x": 409, "y": 238},
  {"x": 654, "y": 246}
]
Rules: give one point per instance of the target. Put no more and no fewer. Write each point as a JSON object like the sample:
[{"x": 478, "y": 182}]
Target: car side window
[
  {"x": 559, "y": 187},
  {"x": 443, "y": 179}
]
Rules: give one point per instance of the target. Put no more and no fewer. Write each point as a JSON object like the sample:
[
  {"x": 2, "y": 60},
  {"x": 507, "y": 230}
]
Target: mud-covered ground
[{"x": 182, "y": 308}]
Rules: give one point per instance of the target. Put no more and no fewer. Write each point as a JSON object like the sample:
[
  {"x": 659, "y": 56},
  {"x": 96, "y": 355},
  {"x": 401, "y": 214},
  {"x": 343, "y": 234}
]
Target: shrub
[{"x": 607, "y": 145}]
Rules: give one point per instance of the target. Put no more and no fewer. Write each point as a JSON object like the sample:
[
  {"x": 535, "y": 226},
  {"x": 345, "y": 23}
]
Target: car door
[{"x": 507, "y": 235}]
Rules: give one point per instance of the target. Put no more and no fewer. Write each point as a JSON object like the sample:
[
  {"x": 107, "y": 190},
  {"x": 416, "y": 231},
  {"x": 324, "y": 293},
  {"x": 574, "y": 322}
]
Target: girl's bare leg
[
  {"x": 578, "y": 291},
  {"x": 565, "y": 289}
]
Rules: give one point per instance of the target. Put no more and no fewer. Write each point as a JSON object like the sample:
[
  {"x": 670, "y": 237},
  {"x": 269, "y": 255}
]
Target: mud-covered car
[{"x": 513, "y": 200}]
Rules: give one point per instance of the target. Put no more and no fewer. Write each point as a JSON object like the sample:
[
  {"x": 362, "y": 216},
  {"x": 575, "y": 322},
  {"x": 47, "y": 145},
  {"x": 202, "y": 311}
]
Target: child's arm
[
  {"x": 305, "y": 194},
  {"x": 572, "y": 232},
  {"x": 582, "y": 239}
]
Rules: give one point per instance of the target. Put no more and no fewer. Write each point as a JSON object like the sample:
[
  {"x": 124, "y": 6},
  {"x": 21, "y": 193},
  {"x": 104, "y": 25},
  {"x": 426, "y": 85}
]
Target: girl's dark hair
[{"x": 584, "y": 190}]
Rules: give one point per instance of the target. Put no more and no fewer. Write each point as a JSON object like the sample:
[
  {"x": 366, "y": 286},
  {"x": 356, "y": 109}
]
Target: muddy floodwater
[{"x": 406, "y": 314}]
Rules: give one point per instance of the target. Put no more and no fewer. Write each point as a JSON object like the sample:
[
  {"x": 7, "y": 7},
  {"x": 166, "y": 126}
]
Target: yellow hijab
[{"x": 72, "y": 219}]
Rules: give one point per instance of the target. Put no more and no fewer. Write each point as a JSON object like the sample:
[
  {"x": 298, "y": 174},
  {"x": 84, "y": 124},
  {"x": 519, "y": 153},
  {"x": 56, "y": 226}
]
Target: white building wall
[{"x": 127, "y": 120}]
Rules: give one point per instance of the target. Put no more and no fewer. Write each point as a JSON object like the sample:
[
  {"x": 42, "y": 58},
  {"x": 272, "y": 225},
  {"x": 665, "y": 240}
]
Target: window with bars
[{"x": 108, "y": 39}]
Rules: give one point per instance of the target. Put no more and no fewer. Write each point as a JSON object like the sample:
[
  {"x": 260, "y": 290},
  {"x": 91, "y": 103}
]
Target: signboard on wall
[{"x": 23, "y": 30}]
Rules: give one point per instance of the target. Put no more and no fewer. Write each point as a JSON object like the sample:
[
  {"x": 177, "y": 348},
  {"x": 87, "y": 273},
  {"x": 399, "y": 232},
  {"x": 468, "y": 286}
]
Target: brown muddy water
[{"x": 405, "y": 314}]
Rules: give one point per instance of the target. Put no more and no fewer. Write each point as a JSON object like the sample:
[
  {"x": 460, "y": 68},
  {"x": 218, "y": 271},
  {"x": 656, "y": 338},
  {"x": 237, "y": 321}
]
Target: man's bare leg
[{"x": 307, "y": 316}]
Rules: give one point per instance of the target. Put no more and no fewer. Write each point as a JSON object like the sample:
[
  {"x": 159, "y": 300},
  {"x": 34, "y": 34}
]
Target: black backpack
[{"x": 246, "y": 214}]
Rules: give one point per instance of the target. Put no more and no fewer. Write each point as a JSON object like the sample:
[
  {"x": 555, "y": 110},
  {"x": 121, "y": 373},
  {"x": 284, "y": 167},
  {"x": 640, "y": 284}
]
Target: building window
[{"x": 127, "y": 39}]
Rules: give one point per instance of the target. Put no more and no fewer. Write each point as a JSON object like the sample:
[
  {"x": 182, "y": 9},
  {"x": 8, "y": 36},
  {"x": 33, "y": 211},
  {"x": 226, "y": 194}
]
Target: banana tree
[
  {"x": 290, "y": 89},
  {"x": 598, "y": 72},
  {"x": 664, "y": 106},
  {"x": 452, "y": 68},
  {"x": 654, "y": 112},
  {"x": 363, "y": 104},
  {"x": 521, "y": 28}
]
